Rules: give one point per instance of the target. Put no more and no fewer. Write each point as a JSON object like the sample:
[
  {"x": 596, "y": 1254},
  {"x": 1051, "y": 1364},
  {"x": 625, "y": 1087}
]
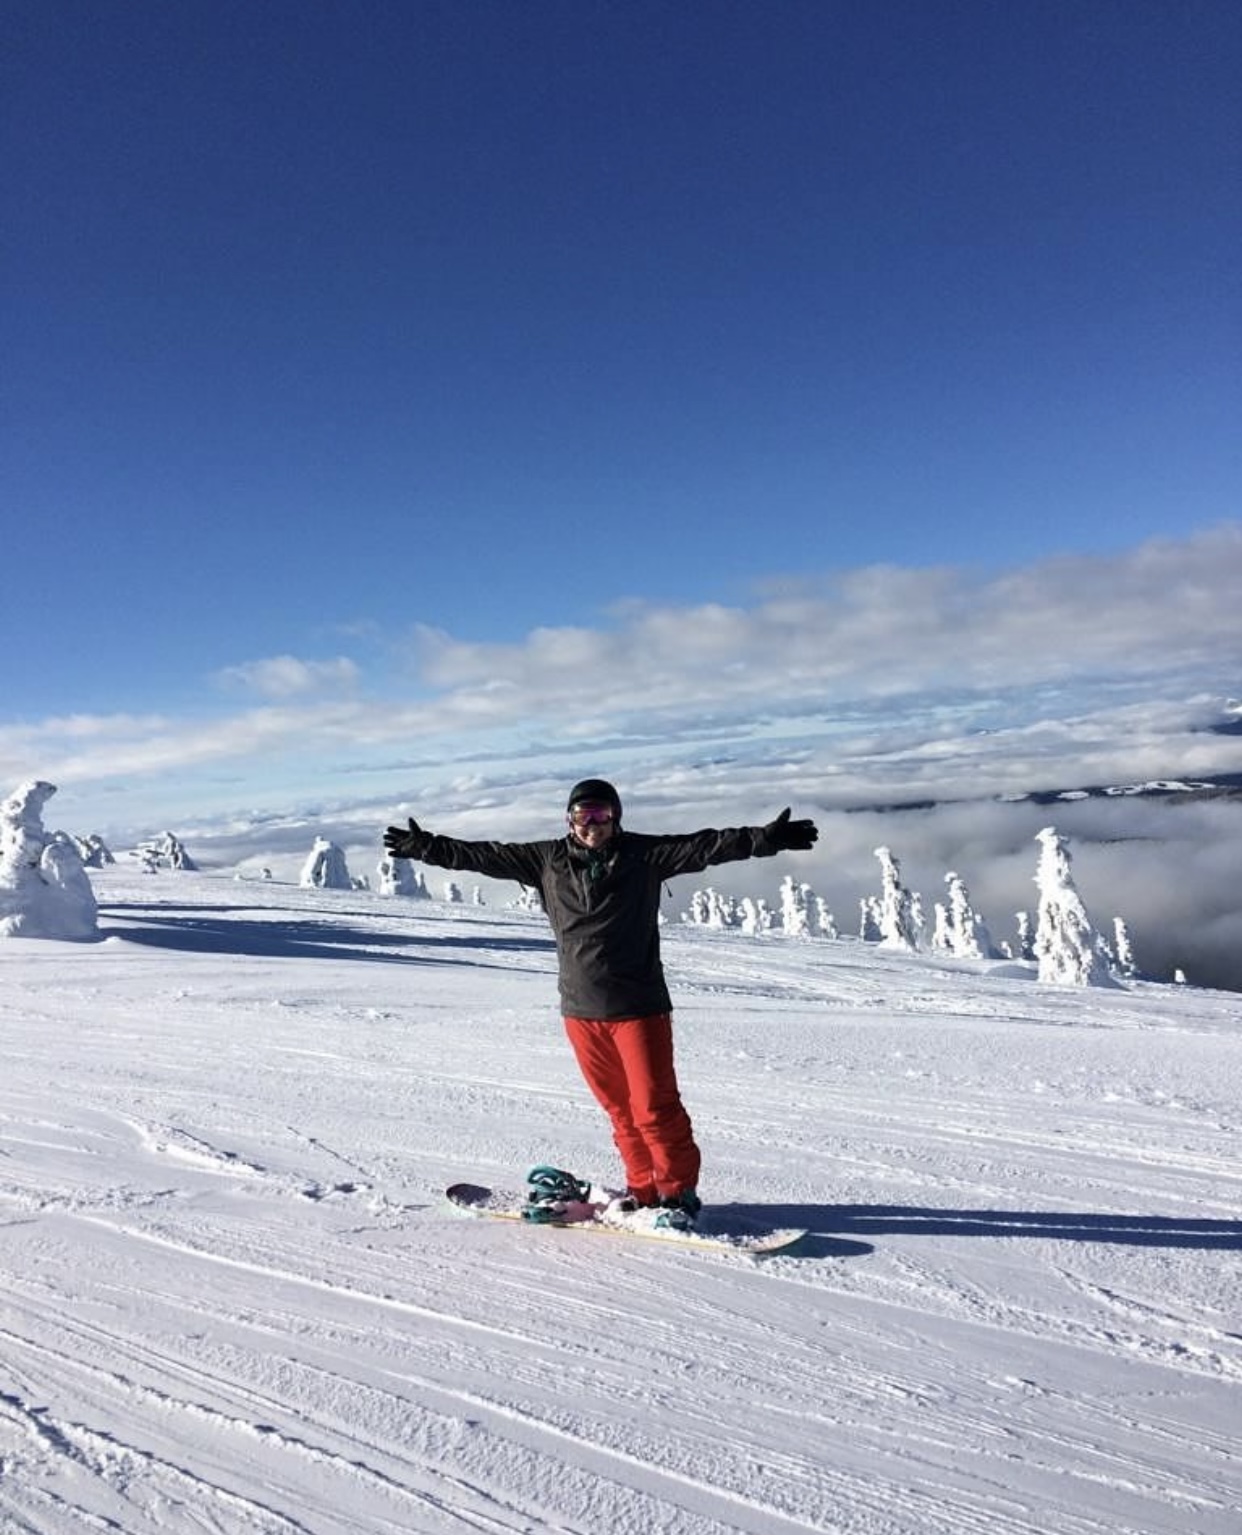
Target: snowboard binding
[{"x": 552, "y": 1190}]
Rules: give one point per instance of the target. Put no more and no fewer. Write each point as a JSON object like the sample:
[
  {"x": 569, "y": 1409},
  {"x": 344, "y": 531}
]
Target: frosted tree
[
  {"x": 897, "y": 917},
  {"x": 452, "y": 892},
  {"x": 45, "y": 891},
  {"x": 166, "y": 852},
  {"x": 398, "y": 876},
  {"x": 1123, "y": 953},
  {"x": 476, "y": 896},
  {"x": 942, "y": 934},
  {"x": 869, "y": 919},
  {"x": 1067, "y": 946},
  {"x": 756, "y": 916},
  {"x": 796, "y": 908},
  {"x": 175, "y": 852},
  {"x": 824, "y": 919},
  {"x": 528, "y": 899},
  {"x": 94, "y": 851},
  {"x": 966, "y": 931},
  {"x": 1026, "y": 936},
  {"x": 708, "y": 908},
  {"x": 326, "y": 868}
]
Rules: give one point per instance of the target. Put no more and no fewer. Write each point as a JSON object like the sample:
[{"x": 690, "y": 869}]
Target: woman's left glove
[{"x": 786, "y": 836}]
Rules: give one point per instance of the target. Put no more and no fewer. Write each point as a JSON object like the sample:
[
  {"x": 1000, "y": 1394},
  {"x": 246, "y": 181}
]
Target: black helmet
[{"x": 595, "y": 791}]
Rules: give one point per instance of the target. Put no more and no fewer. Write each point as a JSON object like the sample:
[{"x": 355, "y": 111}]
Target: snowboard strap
[{"x": 551, "y": 1189}]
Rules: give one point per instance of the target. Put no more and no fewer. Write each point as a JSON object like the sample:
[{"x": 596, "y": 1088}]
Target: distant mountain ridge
[{"x": 1213, "y": 786}]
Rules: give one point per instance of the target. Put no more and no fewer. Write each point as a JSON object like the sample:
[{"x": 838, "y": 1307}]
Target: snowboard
[{"x": 716, "y": 1231}]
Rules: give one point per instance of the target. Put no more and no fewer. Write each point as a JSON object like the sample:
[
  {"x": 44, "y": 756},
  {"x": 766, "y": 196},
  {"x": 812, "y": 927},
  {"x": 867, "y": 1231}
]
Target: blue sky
[{"x": 457, "y": 396}]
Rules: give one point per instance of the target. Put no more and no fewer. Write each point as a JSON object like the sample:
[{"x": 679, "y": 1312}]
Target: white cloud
[
  {"x": 289, "y": 677},
  {"x": 876, "y": 684},
  {"x": 883, "y": 630}
]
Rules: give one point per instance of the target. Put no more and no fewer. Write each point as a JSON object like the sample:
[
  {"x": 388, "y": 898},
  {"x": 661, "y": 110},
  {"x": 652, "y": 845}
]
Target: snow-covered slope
[{"x": 232, "y": 1300}]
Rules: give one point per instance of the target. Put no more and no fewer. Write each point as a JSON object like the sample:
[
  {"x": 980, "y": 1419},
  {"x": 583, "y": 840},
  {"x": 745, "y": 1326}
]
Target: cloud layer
[
  {"x": 1066, "y": 663},
  {"x": 876, "y": 687}
]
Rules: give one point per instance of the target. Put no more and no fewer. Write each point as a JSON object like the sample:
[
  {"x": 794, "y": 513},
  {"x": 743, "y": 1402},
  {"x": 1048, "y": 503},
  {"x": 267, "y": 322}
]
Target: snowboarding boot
[
  {"x": 635, "y": 1199},
  {"x": 678, "y": 1212}
]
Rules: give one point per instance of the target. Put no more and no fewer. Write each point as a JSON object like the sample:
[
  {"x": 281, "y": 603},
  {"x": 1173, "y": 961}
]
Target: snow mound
[{"x": 45, "y": 891}]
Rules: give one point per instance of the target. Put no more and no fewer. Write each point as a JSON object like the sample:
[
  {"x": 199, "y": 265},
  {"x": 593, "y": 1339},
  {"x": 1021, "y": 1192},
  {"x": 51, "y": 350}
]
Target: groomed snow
[{"x": 232, "y": 1300}]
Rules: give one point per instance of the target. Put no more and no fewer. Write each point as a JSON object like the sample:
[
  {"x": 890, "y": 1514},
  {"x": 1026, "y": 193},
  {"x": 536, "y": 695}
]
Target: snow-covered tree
[
  {"x": 94, "y": 851},
  {"x": 796, "y": 907},
  {"x": 1026, "y": 936},
  {"x": 528, "y": 899},
  {"x": 166, "y": 852},
  {"x": 1067, "y": 946},
  {"x": 869, "y": 919},
  {"x": 452, "y": 892},
  {"x": 45, "y": 891},
  {"x": 756, "y": 916},
  {"x": 965, "y": 932},
  {"x": 899, "y": 928},
  {"x": 396, "y": 877},
  {"x": 326, "y": 868},
  {"x": 1123, "y": 953},
  {"x": 825, "y": 922},
  {"x": 708, "y": 908}
]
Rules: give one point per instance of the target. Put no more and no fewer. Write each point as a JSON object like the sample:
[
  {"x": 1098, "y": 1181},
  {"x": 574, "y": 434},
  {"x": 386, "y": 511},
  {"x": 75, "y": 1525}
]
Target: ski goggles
[{"x": 591, "y": 815}]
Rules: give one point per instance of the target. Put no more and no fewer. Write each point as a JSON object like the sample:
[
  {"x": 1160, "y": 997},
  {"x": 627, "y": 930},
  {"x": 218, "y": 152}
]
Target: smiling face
[{"x": 592, "y": 823}]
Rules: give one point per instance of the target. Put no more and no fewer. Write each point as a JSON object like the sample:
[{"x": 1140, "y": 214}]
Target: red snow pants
[{"x": 628, "y": 1065}]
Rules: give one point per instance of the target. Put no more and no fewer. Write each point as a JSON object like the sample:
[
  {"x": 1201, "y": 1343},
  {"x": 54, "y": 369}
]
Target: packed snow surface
[{"x": 233, "y": 1299}]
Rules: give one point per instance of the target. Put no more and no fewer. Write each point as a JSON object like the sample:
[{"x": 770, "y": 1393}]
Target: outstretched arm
[
  {"x": 691, "y": 852},
  {"x": 522, "y": 861}
]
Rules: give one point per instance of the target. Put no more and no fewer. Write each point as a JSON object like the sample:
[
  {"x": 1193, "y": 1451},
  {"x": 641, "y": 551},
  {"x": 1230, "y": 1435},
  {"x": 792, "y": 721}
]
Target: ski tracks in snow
[
  {"x": 231, "y": 1302},
  {"x": 552, "y": 1396}
]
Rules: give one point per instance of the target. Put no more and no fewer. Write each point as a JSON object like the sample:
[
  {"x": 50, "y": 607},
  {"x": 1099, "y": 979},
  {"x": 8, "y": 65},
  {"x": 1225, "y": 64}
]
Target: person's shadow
[{"x": 833, "y": 1231}]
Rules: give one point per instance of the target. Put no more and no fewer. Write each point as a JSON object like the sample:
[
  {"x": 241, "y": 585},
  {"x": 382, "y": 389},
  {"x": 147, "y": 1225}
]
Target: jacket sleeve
[
  {"x": 692, "y": 851},
  {"x": 522, "y": 861}
]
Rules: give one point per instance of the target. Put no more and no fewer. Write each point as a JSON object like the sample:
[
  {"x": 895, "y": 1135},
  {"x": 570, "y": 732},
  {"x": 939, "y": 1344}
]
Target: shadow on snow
[
  {"x": 306, "y": 940},
  {"x": 828, "y": 1225}
]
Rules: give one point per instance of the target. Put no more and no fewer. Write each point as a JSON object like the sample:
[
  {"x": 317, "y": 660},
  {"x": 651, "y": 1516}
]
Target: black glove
[
  {"x": 789, "y": 836},
  {"x": 401, "y": 843}
]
